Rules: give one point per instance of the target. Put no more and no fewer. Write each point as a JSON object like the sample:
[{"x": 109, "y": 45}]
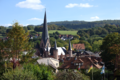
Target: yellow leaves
[
  {"x": 18, "y": 38},
  {"x": 115, "y": 49},
  {"x": 75, "y": 41},
  {"x": 78, "y": 36},
  {"x": 116, "y": 33}
]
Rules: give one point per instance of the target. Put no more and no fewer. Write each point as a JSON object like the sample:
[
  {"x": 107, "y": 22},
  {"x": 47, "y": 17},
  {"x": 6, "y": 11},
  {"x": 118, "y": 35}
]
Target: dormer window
[
  {"x": 77, "y": 63},
  {"x": 75, "y": 58}
]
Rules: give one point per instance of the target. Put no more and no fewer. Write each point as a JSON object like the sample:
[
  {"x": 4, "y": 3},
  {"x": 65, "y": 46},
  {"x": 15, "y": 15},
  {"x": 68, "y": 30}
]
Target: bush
[
  {"x": 71, "y": 75},
  {"x": 42, "y": 72},
  {"x": 18, "y": 74}
]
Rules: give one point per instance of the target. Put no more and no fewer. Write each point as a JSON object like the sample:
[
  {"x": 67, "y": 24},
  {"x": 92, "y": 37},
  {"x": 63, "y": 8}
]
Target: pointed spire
[
  {"x": 55, "y": 47},
  {"x": 45, "y": 35},
  {"x": 69, "y": 48}
]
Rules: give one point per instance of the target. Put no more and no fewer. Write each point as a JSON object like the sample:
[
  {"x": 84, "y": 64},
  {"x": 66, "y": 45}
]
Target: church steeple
[
  {"x": 45, "y": 35},
  {"x": 69, "y": 48}
]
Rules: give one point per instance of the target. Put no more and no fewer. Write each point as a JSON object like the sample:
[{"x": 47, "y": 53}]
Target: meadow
[
  {"x": 60, "y": 31},
  {"x": 64, "y": 32}
]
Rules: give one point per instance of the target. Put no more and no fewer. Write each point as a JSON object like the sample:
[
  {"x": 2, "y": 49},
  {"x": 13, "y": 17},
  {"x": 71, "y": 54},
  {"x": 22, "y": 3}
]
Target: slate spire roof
[
  {"x": 55, "y": 47},
  {"x": 69, "y": 48},
  {"x": 45, "y": 35}
]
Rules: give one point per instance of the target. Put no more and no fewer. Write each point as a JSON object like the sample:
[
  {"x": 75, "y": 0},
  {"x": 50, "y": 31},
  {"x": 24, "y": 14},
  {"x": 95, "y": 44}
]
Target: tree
[
  {"x": 75, "y": 41},
  {"x": 109, "y": 41},
  {"x": 17, "y": 41},
  {"x": 30, "y": 27},
  {"x": 42, "y": 72},
  {"x": 18, "y": 74},
  {"x": 71, "y": 75},
  {"x": 115, "y": 49},
  {"x": 96, "y": 74},
  {"x": 25, "y": 28},
  {"x": 76, "y": 36},
  {"x": 2, "y": 67},
  {"x": 2, "y": 29},
  {"x": 87, "y": 45},
  {"x": 96, "y": 46},
  {"x": 38, "y": 28}
]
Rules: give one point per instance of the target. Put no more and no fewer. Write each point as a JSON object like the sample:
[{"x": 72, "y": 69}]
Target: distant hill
[
  {"x": 84, "y": 24},
  {"x": 80, "y": 24}
]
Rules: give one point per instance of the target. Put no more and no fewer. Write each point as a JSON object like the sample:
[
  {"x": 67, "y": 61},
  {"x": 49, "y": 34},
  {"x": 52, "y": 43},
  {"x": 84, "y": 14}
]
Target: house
[
  {"x": 66, "y": 37},
  {"x": 54, "y": 63},
  {"x": 37, "y": 35},
  {"x": 30, "y": 36},
  {"x": 81, "y": 62},
  {"x": 79, "y": 47}
]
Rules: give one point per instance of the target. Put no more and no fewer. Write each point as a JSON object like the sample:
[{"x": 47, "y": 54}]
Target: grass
[
  {"x": 64, "y": 32},
  {"x": 61, "y": 32}
]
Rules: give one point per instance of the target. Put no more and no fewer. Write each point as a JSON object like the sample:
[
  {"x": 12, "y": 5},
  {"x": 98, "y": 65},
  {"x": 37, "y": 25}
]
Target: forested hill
[{"x": 84, "y": 24}]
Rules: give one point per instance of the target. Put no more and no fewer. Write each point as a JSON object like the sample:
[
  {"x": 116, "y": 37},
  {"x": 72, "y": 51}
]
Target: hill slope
[{"x": 84, "y": 24}]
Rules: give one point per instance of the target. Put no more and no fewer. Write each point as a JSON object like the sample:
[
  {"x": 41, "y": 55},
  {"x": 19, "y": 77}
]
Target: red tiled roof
[
  {"x": 78, "y": 46},
  {"x": 87, "y": 62}
]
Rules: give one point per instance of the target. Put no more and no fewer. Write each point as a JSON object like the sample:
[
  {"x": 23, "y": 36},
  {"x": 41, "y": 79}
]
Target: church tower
[
  {"x": 55, "y": 51},
  {"x": 45, "y": 37},
  {"x": 70, "y": 50},
  {"x": 46, "y": 52}
]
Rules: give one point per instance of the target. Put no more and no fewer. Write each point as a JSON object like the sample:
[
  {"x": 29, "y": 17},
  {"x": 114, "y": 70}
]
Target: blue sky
[{"x": 32, "y": 11}]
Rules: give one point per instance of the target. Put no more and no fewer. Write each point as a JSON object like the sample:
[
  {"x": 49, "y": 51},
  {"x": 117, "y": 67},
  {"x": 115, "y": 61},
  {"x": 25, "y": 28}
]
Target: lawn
[
  {"x": 64, "y": 32},
  {"x": 60, "y": 31}
]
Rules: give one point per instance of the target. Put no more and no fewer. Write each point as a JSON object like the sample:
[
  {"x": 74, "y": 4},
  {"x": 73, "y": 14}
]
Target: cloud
[
  {"x": 38, "y": 19},
  {"x": 94, "y": 18},
  {"x": 32, "y": 4},
  {"x": 86, "y": 5},
  {"x": 6, "y": 25}
]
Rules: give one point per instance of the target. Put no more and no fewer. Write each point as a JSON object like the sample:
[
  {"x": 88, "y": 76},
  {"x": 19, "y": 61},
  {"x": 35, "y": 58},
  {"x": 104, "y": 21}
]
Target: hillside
[{"x": 84, "y": 24}]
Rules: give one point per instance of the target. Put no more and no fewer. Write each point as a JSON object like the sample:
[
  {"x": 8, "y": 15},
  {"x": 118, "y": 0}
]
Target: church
[{"x": 45, "y": 50}]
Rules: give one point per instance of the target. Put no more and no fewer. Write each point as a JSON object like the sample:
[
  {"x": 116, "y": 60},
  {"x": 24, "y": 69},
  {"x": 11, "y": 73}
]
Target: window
[
  {"x": 81, "y": 63},
  {"x": 76, "y": 63},
  {"x": 56, "y": 64}
]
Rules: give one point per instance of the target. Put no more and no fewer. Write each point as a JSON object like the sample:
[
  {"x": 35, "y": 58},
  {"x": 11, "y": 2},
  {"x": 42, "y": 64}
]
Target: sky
[{"x": 31, "y": 12}]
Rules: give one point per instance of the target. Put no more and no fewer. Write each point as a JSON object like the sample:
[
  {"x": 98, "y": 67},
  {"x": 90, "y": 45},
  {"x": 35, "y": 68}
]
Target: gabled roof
[
  {"x": 48, "y": 61},
  {"x": 69, "y": 63},
  {"x": 92, "y": 54},
  {"x": 45, "y": 35}
]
